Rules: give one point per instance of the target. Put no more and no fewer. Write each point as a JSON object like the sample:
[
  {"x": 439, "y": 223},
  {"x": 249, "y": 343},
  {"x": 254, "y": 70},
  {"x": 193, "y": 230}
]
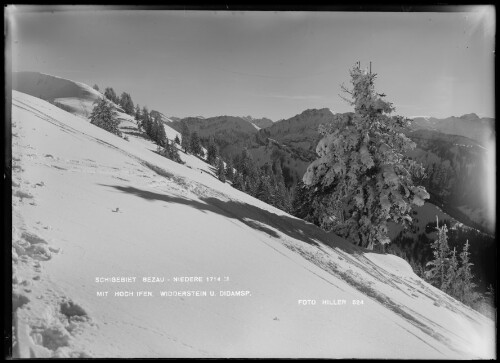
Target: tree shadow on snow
[
  {"x": 253, "y": 217},
  {"x": 287, "y": 226}
]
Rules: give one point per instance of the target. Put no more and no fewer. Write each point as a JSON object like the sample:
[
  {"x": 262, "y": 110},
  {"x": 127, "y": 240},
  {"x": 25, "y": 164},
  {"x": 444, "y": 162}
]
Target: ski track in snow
[{"x": 61, "y": 327}]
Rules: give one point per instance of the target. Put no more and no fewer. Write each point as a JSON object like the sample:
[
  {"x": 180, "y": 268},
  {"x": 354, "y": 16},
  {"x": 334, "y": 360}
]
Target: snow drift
[
  {"x": 90, "y": 206},
  {"x": 76, "y": 97}
]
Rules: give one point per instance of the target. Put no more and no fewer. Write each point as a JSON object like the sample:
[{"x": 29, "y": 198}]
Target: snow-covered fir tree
[
  {"x": 221, "y": 171},
  {"x": 212, "y": 151},
  {"x": 195, "y": 144},
  {"x": 452, "y": 281},
  {"x": 170, "y": 151},
  {"x": 126, "y": 103},
  {"x": 437, "y": 273},
  {"x": 445, "y": 272},
  {"x": 362, "y": 167},
  {"x": 263, "y": 191},
  {"x": 302, "y": 206},
  {"x": 278, "y": 198},
  {"x": 104, "y": 116},
  {"x": 229, "y": 171},
  {"x": 312, "y": 206},
  {"x": 159, "y": 135},
  {"x": 137, "y": 114},
  {"x": 251, "y": 186},
  {"x": 238, "y": 182},
  {"x": 110, "y": 94},
  {"x": 186, "y": 138},
  {"x": 468, "y": 296},
  {"x": 145, "y": 120}
]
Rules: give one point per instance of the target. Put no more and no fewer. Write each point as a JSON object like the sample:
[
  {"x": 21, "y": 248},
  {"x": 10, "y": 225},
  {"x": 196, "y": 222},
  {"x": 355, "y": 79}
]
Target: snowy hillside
[
  {"x": 77, "y": 97},
  {"x": 89, "y": 207}
]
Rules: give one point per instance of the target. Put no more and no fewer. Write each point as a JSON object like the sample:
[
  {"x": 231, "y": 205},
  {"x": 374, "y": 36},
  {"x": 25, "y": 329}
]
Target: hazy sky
[{"x": 265, "y": 64}]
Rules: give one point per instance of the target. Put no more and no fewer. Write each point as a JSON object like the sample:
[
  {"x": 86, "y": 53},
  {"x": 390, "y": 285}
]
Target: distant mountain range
[
  {"x": 258, "y": 123},
  {"x": 470, "y": 125}
]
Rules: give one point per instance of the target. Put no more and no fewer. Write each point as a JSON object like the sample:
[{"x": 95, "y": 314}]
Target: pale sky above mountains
[{"x": 264, "y": 64}]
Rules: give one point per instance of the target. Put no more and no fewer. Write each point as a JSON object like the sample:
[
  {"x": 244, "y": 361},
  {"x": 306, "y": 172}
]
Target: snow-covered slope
[
  {"x": 75, "y": 96},
  {"x": 128, "y": 126},
  {"x": 88, "y": 204}
]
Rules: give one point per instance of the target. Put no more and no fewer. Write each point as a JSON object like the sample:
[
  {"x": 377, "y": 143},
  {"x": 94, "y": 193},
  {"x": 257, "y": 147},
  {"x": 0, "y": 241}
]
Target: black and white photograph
[{"x": 250, "y": 182}]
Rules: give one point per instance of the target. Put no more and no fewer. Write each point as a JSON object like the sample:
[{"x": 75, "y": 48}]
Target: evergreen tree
[
  {"x": 171, "y": 152},
  {"x": 110, "y": 94},
  {"x": 452, "y": 280},
  {"x": 148, "y": 124},
  {"x": 278, "y": 172},
  {"x": 126, "y": 103},
  {"x": 104, "y": 116},
  {"x": 145, "y": 121},
  {"x": 273, "y": 187},
  {"x": 229, "y": 171},
  {"x": 439, "y": 266},
  {"x": 249, "y": 171},
  {"x": 251, "y": 185},
  {"x": 445, "y": 273},
  {"x": 362, "y": 167},
  {"x": 212, "y": 151},
  {"x": 287, "y": 202},
  {"x": 195, "y": 144},
  {"x": 137, "y": 112},
  {"x": 238, "y": 182},
  {"x": 281, "y": 197},
  {"x": 237, "y": 163},
  {"x": 267, "y": 169},
  {"x": 96, "y": 87},
  {"x": 312, "y": 206},
  {"x": 186, "y": 138},
  {"x": 186, "y": 143},
  {"x": 299, "y": 200},
  {"x": 221, "y": 172},
  {"x": 468, "y": 295},
  {"x": 263, "y": 192},
  {"x": 247, "y": 165},
  {"x": 278, "y": 196},
  {"x": 161, "y": 136},
  {"x": 154, "y": 130},
  {"x": 177, "y": 141}
]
